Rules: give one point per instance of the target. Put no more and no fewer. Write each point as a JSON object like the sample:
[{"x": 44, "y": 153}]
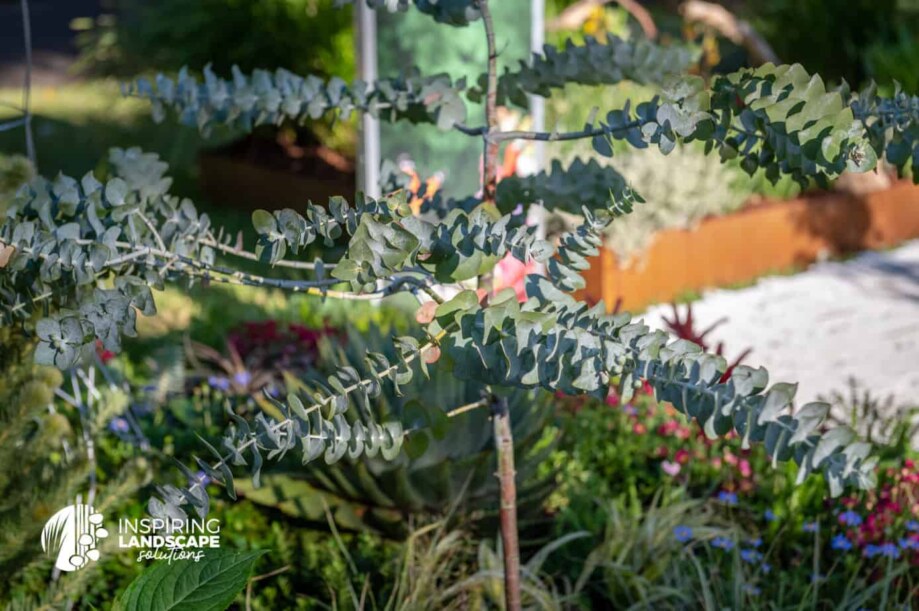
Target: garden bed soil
[
  {"x": 770, "y": 237},
  {"x": 273, "y": 171}
]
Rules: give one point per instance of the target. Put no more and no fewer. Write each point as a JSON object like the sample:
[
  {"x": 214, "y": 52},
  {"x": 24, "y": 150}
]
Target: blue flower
[
  {"x": 242, "y": 378},
  {"x": 811, "y": 527},
  {"x": 728, "y": 498},
  {"x": 890, "y": 550},
  {"x": 750, "y": 555},
  {"x": 219, "y": 382},
  {"x": 769, "y": 516},
  {"x": 751, "y": 589},
  {"x": 909, "y": 544},
  {"x": 766, "y": 567},
  {"x": 841, "y": 543},
  {"x": 202, "y": 478},
  {"x": 912, "y": 525},
  {"x": 850, "y": 518},
  {"x": 722, "y": 543},
  {"x": 755, "y": 543},
  {"x": 871, "y": 550},
  {"x": 119, "y": 425},
  {"x": 682, "y": 533}
]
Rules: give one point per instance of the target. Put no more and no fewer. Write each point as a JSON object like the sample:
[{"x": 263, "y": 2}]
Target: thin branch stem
[
  {"x": 156, "y": 234},
  {"x": 490, "y": 160},
  {"x": 251, "y": 256},
  {"x": 467, "y": 408},
  {"x": 27, "y": 84},
  {"x": 558, "y": 137}
]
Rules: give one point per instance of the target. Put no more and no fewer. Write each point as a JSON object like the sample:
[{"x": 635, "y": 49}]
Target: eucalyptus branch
[
  {"x": 562, "y": 136},
  {"x": 279, "y": 425}
]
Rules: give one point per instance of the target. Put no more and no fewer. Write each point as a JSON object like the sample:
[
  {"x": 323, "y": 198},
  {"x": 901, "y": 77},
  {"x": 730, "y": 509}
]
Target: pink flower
[
  {"x": 510, "y": 272},
  {"x": 745, "y": 469},
  {"x": 668, "y": 428},
  {"x": 682, "y": 456},
  {"x": 671, "y": 468}
]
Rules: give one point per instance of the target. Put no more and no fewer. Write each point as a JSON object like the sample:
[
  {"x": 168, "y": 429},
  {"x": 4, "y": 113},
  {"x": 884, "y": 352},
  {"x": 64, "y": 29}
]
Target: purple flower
[
  {"x": 912, "y": 525},
  {"x": 769, "y": 516},
  {"x": 722, "y": 543},
  {"x": 766, "y": 567},
  {"x": 751, "y": 589},
  {"x": 202, "y": 478},
  {"x": 850, "y": 518},
  {"x": 682, "y": 533},
  {"x": 811, "y": 527},
  {"x": 750, "y": 555},
  {"x": 728, "y": 498},
  {"x": 755, "y": 543},
  {"x": 219, "y": 382},
  {"x": 841, "y": 543},
  {"x": 630, "y": 409}
]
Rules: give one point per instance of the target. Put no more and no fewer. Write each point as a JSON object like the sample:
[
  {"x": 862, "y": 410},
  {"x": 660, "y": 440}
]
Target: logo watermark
[
  {"x": 73, "y": 534},
  {"x": 172, "y": 539}
]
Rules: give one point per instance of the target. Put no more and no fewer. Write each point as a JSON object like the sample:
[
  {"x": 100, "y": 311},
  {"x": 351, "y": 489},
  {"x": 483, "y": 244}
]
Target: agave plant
[{"x": 436, "y": 472}]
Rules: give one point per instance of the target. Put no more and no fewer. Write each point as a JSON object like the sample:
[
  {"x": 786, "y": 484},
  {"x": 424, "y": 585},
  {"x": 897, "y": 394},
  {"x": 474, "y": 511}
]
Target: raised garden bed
[{"x": 763, "y": 238}]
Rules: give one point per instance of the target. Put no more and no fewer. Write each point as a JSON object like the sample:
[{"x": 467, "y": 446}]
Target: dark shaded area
[
  {"x": 275, "y": 168},
  {"x": 53, "y": 43}
]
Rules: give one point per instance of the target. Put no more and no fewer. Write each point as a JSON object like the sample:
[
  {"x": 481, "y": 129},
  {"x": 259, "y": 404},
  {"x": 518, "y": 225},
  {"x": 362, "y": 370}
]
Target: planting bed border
[{"x": 760, "y": 239}]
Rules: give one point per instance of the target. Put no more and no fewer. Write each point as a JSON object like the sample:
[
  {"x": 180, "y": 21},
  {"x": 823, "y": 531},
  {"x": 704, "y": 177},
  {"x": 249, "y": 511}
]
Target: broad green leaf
[{"x": 210, "y": 584}]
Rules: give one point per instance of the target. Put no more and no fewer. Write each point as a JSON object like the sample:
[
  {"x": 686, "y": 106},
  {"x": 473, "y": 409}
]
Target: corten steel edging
[{"x": 761, "y": 239}]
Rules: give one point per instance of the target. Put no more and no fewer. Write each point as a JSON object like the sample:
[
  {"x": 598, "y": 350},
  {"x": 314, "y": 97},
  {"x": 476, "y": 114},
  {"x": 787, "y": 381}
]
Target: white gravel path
[{"x": 836, "y": 320}]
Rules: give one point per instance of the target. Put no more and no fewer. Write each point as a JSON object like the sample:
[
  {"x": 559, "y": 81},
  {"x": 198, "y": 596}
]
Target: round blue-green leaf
[{"x": 264, "y": 222}]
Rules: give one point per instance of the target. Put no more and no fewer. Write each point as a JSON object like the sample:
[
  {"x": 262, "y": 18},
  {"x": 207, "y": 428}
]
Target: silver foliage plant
[{"x": 79, "y": 257}]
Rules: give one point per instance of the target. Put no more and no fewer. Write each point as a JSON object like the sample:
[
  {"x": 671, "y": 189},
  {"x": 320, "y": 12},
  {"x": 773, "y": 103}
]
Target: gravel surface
[{"x": 856, "y": 318}]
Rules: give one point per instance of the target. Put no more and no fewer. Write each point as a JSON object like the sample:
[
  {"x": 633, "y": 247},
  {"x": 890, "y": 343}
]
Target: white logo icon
[{"x": 73, "y": 534}]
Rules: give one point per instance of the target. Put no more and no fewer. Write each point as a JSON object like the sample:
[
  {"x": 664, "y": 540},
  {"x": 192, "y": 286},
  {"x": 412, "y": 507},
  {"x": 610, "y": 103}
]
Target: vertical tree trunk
[
  {"x": 504, "y": 445},
  {"x": 504, "y": 440}
]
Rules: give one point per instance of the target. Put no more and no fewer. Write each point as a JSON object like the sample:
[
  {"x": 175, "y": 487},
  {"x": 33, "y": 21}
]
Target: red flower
[{"x": 104, "y": 355}]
